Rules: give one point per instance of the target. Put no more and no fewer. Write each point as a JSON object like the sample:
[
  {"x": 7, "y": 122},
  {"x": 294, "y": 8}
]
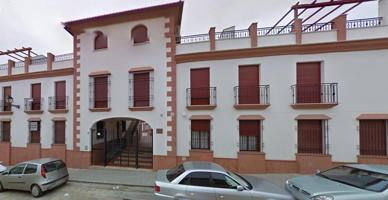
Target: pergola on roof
[
  {"x": 334, "y": 5},
  {"x": 19, "y": 54}
]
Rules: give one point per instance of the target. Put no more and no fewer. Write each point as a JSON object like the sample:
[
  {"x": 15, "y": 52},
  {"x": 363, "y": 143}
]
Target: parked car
[
  {"x": 347, "y": 182},
  {"x": 2, "y": 168},
  {"x": 36, "y": 176},
  {"x": 205, "y": 180}
]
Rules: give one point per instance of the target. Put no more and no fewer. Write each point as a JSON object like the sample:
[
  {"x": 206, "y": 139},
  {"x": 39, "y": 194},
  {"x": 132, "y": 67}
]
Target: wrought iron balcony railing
[
  {"x": 364, "y": 23},
  {"x": 33, "y": 104},
  {"x": 58, "y": 102},
  {"x": 251, "y": 94},
  {"x": 5, "y": 106},
  {"x": 201, "y": 96},
  {"x": 325, "y": 93},
  {"x": 141, "y": 98}
]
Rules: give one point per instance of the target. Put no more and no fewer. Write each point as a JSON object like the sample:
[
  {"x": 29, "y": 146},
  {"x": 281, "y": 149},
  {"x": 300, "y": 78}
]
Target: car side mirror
[
  {"x": 240, "y": 188},
  {"x": 317, "y": 171}
]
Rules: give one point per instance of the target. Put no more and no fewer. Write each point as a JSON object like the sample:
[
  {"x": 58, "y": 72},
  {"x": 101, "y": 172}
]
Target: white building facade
[{"x": 255, "y": 100}]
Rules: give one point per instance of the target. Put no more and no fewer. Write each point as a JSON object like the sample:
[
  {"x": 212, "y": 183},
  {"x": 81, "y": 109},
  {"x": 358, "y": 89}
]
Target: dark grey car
[
  {"x": 36, "y": 176},
  {"x": 205, "y": 180}
]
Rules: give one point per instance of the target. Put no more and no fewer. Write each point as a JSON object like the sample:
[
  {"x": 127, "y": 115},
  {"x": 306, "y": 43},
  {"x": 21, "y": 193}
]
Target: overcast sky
[{"x": 37, "y": 23}]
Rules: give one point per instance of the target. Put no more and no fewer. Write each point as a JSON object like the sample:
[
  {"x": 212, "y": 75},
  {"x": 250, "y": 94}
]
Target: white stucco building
[{"x": 136, "y": 94}]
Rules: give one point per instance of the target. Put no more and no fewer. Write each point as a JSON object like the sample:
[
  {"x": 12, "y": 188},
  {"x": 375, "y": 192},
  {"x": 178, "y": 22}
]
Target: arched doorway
[{"x": 122, "y": 142}]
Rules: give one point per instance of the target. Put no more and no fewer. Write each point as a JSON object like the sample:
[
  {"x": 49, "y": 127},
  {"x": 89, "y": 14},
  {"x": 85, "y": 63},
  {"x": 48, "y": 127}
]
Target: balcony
[
  {"x": 313, "y": 96},
  {"x": 58, "y": 104},
  {"x": 33, "y": 105},
  {"x": 201, "y": 98},
  {"x": 251, "y": 97},
  {"x": 5, "y": 108}
]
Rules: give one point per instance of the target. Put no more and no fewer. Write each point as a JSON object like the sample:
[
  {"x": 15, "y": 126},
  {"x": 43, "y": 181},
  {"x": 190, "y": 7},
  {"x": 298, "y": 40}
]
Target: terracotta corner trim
[{"x": 201, "y": 107}]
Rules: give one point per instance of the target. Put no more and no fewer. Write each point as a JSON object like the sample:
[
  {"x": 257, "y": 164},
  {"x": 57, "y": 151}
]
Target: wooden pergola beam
[{"x": 330, "y": 3}]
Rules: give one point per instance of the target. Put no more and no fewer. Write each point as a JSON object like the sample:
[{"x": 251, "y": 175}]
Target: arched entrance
[{"x": 122, "y": 142}]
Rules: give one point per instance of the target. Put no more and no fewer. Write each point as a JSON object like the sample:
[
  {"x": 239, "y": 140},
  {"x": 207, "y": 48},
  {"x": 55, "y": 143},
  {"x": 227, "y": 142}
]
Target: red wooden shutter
[
  {"x": 249, "y": 128},
  {"x": 100, "y": 41},
  {"x": 101, "y": 92},
  {"x": 141, "y": 91},
  {"x": 60, "y": 95},
  {"x": 36, "y": 96},
  {"x": 310, "y": 138},
  {"x": 200, "y": 86},
  {"x": 6, "y": 94},
  {"x": 200, "y": 125},
  {"x": 6, "y": 128},
  {"x": 35, "y": 135},
  {"x": 60, "y": 127},
  {"x": 139, "y": 34},
  {"x": 249, "y": 90},
  {"x": 308, "y": 82},
  {"x": 373, "y": 139}
]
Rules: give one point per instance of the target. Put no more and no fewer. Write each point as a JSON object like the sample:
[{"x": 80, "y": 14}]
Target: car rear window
[
  {"x": 175, "y": 172},
  {"x": 54, "y": 165}
]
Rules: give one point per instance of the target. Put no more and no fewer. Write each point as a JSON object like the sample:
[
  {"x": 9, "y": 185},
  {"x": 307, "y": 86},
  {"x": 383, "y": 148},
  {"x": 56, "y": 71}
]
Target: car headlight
[{"x": 322, "y": 197}]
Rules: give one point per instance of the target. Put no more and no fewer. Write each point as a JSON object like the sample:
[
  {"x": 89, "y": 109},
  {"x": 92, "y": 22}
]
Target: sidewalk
[{"x": 142, "y": 178}]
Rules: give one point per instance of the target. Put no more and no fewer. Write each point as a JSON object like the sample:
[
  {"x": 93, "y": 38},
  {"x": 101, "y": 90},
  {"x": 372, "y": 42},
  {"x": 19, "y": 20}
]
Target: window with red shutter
[
  {"x": 250, "y": 135},
  {"x": 59, "y": 132},
  {"x": 5, "y": 131},
  {"x": 249, "y": 90},
  {"x": 101, "y": 92},
  {"x": 200, "y": 134},
  {"x": 139, "y": 34},
  {"x": 373, "y": 137},
  {"x": 60, "y": 95},
  {"x": 6, "y": 94},
  {"x": 34, "y": 131},
  {"x": 36, "y": 96},
  {"x": 200, "y": 86},
  {"x": 310, "y": 136},
  {"x": 141, "y": 85},
  {"x": 308, "y": 82},
  {"x": 100, "y": 41}
]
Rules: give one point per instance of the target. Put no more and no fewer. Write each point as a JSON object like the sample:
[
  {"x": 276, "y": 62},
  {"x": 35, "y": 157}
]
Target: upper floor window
[
  {"x": 99, "y": 90},
  {"x": 100, "y": 41},
  {"x": 139, "y": 34}
]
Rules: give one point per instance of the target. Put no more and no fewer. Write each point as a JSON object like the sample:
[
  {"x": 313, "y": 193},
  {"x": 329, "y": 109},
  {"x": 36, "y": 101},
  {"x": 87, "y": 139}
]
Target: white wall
[
  {"x": 383, "y": 10},
  {"x": 19, "y": 126},
  {"x": 362, "y": 89},
  {"x": 319, "y": 37},
  {"x": 238, "y": 43},
  {"x": 367, "y": 33},
  {"x": 121, "y": 56}
]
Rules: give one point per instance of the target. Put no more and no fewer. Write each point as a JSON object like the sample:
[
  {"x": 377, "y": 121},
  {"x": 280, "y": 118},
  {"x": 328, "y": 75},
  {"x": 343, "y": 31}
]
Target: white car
[{"x": 2, "y": 168}]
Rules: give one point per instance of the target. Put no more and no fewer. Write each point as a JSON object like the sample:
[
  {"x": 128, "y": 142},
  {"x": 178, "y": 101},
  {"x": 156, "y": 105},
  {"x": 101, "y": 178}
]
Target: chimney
[
  {"x": 50, "y": 60},
  {"x": 253, "y": 34},
  {"x": 212, "y": 37}
]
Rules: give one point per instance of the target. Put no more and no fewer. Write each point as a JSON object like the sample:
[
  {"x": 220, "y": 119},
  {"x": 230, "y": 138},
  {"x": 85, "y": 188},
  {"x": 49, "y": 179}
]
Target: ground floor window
[
  {"x": 250, "y": 135},
  {"x": 313, "y": 136},
  {"x": 5, "y": 131},
  {"x": 59, "y": 132},
  {"x": 373, "y": 137},
  {"x": 34, "y": 128},
  {"x": 200, "y": 134}
]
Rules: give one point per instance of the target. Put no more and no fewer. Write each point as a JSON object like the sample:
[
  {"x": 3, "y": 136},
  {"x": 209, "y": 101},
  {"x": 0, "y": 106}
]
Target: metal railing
[
  {"x": 364, "y": 23},
  {"x": 39, "y": 61},
  {"x": 251, "y": 94},
  {"x": 3, "y": 66},
  {"x": 58, "y": 102},
  {"x": 19, "y": 64},
  {"x": 278, "y": 30},
  {"x": 103, "y": 102},
  {"x": 201, "y": 96},
  {"x": 313, "y": 137},
  {"x": 64, "y": 57},
  {"x": 5, "y": 106},
  {"x": 315, "y": 93},
  {"x": 308, "y": 28},
  {"x": 136, "y": 100},
  {"x": 31, "y": 104},
  {"x": 192, "y": 38},
  {"x": 235, "y": 34}
]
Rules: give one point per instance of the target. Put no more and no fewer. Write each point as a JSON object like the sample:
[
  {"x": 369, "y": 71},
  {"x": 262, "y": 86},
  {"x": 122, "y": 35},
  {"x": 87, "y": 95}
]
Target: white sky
[{"x": 37, "y": 23}]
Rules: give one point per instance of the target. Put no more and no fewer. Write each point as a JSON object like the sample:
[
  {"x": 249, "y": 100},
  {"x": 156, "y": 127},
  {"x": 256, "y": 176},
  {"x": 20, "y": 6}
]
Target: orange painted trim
[
  {"x": 59, "y": 111},
  {"x": 6, "y": 113},
  {"x": 100, "y": 109},
  {"x": 201, "y": 107},
  {"x": 34, "y": 112},
  {"x": 250, "y": 117},
  {"x": 201, "y": 117},
  {"x": 5, "y": 120},
  {"x": 372, "y": 116},
  {"x": 34, "y": 119},
  {"x": 312, "y": 154},
  {"x": 59, "y": 119},
  {"x": 313, "y": 105},
  {"x": 313, "y": 117},
  {"x": 36, "y": 75},
  {"x": 251, "y": 106},
  {"x": 140, "y": 69},
  {"x": 329, "y": 47},
  {"x": 99, "y": 73},
  {"x": 141, "y": 108}
]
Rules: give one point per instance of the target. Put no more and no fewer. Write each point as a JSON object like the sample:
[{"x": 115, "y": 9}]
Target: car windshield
[
  {"x": 175, "y": 172},
  {"x": 359, "y": 178},
  {"x": 240, "y": 180}
]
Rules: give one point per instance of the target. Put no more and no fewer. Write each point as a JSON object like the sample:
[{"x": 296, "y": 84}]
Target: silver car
[
  {"x": 36, "y": 176},
  {"x": 347, "y": 182},
  {"x": 209, "y": 181}
]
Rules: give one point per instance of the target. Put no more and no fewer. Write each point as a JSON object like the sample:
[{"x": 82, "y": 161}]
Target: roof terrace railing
[
  {"x": 39, "y": 61},
  {"x": 278, "y": 30},
  {"x": 64, "y": 57},
  {"x": 3, "y": 66}
]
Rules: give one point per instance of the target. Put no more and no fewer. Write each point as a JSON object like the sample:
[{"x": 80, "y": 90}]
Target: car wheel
[
  {"x": 1, "y": 188},
  {"x": 36, "y": 191}
]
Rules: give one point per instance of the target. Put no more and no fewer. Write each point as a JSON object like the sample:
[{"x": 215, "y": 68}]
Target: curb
[{"x": 112, "y": 184}]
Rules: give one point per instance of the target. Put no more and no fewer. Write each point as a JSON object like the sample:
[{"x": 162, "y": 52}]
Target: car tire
[
  {"x": 1, "y": 188},
  {"x": 36, "y": 191}
]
